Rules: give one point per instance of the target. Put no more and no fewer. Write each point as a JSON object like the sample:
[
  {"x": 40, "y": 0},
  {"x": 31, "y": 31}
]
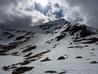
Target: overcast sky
[
  {"x": 89, "y": 8},
  {"x": 29, "y": 12}
]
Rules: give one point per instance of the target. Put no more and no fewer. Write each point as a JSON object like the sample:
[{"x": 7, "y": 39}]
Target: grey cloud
[
  {"x": 89, "y": 9},
  {"x": 41, "y": 9},
  {"x": 17, "y": 21},
  {"x": 57, "y": 9},
  {"x": 9, "y": 15},
  {"x": 7, "y": 3}
]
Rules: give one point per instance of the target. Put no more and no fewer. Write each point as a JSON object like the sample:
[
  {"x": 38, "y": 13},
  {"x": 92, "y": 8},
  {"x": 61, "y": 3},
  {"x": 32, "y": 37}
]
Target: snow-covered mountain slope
[{"x": 56, "y": 47}]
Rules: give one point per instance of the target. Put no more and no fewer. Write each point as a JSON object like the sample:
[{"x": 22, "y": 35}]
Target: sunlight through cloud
[{"x": 42, "y": 2}]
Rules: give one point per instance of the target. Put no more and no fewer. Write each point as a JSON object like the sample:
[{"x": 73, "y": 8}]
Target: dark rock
[
  {"x": 29, "y": 49},
  {"x": 60, "y": 37},
  {"x": 70, "y": 43},
  {"x": 5, "y": 68},
  {"x": 6, "y": 33},
  {"x": 91, "y": 40},
  {"x": 79, "y": 57},
  {"x": 48, "y": 32},
  {"x": 86, "y": 40},
  {"x": 25, "y": 62},
  {"x": 3, "y": 54},
  {"x": 58, "y": 27},
  {"x": 50, "y": 71},
  {"x": 82, "y": 28},
  {"x": 10, "y": 46},
  {"x": 20, "y": 37},
  {"x": 94, "y": 62},
  {"x": 46, "y": 26},
  {"x": 6, "y": 48},
  {"x": 22, "y": 70},
  {"x": 38, "y": 55},
  {"x": 61, "y": 58},
  {"x": 62, "y": 73},
  {"x": 86, "y": 45},
  {"x": 10, "y": 36},
  {"x": 92, "y": 49},
  {"x": 76, "y": 46},
  {"x": 46, "y": 59},
  {"x": 15, "y": 53},
  {"x": 67, "y": 28},
  {"x": 28, "y": 54}
]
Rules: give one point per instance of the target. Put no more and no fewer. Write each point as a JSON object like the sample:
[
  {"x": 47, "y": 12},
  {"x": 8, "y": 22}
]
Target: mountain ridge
[{"x": 47, "y": 48}]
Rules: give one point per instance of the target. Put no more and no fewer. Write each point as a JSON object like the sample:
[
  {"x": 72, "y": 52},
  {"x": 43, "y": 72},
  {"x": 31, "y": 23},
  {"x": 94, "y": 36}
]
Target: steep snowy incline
[{"x": 55, "y": 47}]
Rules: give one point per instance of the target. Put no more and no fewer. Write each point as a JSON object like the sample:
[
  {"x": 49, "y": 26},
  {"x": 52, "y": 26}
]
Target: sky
[{"x": 35, "y": 12}]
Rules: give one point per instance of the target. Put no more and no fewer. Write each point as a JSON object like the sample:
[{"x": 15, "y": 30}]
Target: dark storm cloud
[
  {"x": 18, "y": 21},
  {"x": 7, "y": 2},
  {"x": 10, "y": 16},
  {"x": 89, "y": 8}
]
